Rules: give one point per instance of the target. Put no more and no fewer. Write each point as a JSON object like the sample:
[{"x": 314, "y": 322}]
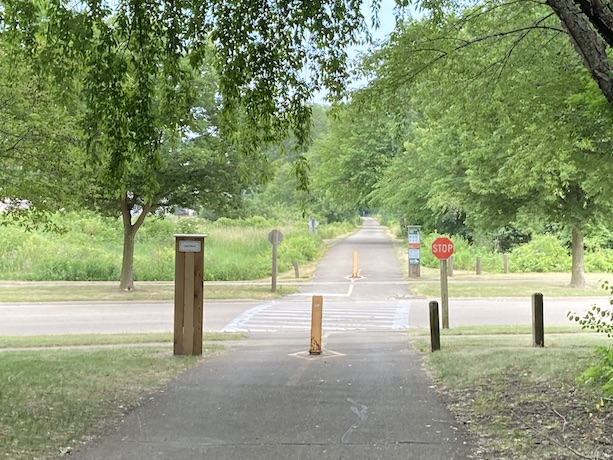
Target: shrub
[
  {"x": 544, "y": 253},
  {"x": 600, "y": 320},
  {"x": 156, "y": 229},
  {"x": 190, "y": 225},
  {"x": 599, "y": 260},
  {"x": 464, "y": 257},
  {"x": 601, "y": 373}
]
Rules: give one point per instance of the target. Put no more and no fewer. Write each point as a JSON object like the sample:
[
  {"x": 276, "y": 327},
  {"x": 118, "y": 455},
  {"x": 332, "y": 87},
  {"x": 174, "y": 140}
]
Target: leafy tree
[
  {"x": 202, "y": 170},
  {"x": 350, "y": 158},
  {"x": 496, "y": 139},
  {"x": 39, "y": 146},
  {"x": 588, "y": 25},
  {"x": 130, "y": 62}
]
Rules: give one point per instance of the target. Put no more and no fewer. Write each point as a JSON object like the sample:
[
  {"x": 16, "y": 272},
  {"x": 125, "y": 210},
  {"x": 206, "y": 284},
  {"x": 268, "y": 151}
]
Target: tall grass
[{"x": 89, "y": 248}]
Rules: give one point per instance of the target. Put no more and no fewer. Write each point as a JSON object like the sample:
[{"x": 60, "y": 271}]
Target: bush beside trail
[{"x": 543, "y": 253}]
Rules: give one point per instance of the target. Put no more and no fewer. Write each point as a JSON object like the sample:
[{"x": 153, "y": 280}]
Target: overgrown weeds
[{"x": 523, "y": 402}]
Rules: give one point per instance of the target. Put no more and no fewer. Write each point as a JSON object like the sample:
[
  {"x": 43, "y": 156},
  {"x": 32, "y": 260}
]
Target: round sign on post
[
  {"x": 275, "y": 237},
  {"x": 442, "y": 248}
]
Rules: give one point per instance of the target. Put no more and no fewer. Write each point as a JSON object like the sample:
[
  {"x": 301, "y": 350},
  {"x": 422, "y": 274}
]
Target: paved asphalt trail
[{"x": 366, "y": 397}]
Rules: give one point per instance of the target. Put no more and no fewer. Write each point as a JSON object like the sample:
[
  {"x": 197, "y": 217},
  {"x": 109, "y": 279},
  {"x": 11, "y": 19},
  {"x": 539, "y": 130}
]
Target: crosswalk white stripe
[{"x": 274, "y": 316}]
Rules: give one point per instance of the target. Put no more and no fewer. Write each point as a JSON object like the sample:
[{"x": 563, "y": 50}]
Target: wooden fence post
[
  {"x": 538, "y": 321},
  {"x": 296, "y": 268},
  {"x": 435, "y": 330}
]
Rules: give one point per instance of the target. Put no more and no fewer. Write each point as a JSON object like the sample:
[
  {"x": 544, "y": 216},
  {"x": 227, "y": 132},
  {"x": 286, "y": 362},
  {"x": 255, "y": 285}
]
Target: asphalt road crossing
[{"x": 338, "y": 315}]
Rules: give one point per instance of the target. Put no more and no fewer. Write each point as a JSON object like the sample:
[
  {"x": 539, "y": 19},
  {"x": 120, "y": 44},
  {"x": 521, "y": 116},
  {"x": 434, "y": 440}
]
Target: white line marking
[
  {"x": 401, "y": 319},
  {"x": 236, "y": 325}
]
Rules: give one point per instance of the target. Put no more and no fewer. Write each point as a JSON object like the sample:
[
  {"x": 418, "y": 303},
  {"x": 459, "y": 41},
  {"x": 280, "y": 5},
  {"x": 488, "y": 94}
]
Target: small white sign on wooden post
[{"x": 190, "y": 246}]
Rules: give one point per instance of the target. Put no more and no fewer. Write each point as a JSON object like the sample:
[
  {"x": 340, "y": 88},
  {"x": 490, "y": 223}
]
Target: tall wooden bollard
[
  {"x": 355, "y": 270},
  {"x": 189, "y": 295},
  {"x": 478, "y": 269},
  {"x": 538, "y": 321},
  {"x": 505, "y": 262},
  {"x": 435, "y": 330},
  {"x": 316, "y": 324}
]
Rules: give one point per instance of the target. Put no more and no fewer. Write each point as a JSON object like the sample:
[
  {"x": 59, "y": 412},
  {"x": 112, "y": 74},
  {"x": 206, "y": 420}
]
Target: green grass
[
  {"x": 468, "y": 284},
  {"x": 519, "y": 401},
  {"x": 52, "y": 400},
  {"x": 102, "y": 339},
  {"x": 490, "y": 287},
  {"x": 109, "y": 291},
  {"x": 499, "y": 330}
]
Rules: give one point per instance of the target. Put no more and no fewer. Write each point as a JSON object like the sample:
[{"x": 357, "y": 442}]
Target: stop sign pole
[{"x": 442, "y": 249}]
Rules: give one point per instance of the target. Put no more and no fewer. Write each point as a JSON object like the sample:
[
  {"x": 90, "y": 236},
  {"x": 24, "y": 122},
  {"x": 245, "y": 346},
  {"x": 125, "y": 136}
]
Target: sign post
[
  {"x": 414, "y": 251},
  {"x": 274, "y": 237},
  {"x": 442, "y": 249},
  {"x": 189, "y": 296}
]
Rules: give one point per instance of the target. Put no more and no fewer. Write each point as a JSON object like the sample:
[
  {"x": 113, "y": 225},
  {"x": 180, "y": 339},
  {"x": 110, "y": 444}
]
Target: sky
[{"x": 387, "y": 23}]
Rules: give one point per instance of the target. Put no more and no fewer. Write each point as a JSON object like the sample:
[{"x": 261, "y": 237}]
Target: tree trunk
[
  {"x": 587, "y": 42},
  {"x": 127, "y": 263},
  {"x": 577, "y": 279},
  {"x": 126, "y": 282}
]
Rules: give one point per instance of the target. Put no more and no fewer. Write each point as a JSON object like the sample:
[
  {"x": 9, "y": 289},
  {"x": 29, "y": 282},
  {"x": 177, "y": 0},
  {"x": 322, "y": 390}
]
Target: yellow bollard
[
  {"x": 354, "y": 272},
  {"x": 316, "y": 322}
]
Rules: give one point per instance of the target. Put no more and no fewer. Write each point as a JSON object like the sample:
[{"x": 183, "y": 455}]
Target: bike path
[{"x": 365, "y": 397}]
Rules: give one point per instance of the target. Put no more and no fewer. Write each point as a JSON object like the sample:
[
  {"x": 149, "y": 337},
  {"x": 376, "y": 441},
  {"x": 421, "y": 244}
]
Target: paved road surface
[
  {"x": 342, "y": 312},
  {"x": 366, "y": 397}
]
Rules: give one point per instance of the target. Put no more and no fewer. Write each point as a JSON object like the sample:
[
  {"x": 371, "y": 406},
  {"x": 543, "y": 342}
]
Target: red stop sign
[{"x": 442, "y": 248}]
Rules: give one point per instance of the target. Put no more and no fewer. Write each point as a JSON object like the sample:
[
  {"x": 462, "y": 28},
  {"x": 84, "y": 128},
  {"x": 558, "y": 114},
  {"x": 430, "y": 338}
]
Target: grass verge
[
  {"x": 523, "y": 402},
  {"x": 107, "y": 291},
  {"x": 53, "y": 400},
  {"x": 41, "y": 341},
  {"x": 468, "y": 284}
]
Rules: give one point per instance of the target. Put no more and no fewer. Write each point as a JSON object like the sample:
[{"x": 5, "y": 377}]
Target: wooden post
[
  {"x": 273, "y": 287},
  {"x": 274, "y": 237},
  {"x": 538, "y": 321},
  {"x": 450, "y": 266},
  {"x": 505, "y": 262},
  {"x": 316, "y": 324},
  {"x": 296, "y": 268},
  {"x": 478, "y": 265},
  {"x": 189, "y": 295},
  {"x": 435, "y": 331},
  {"x": 355, "y": 270},
  {"x": 444, "y": 294}
]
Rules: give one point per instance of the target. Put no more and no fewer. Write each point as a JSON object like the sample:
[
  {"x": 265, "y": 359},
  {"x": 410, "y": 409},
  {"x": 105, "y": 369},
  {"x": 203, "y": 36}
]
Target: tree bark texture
[
  {"x": 126, "y": 282},
  {"x": 600, "y": 14},
  {"x": 589, "y": 44},
  {"x": 577, "y": 279}
]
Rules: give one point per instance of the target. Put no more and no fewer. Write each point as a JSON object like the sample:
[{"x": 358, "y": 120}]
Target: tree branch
[{"x": 588, "y": 44}]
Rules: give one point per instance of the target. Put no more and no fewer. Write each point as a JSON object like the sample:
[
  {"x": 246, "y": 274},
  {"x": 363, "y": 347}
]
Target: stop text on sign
[{"x": 442, "y": 248}]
